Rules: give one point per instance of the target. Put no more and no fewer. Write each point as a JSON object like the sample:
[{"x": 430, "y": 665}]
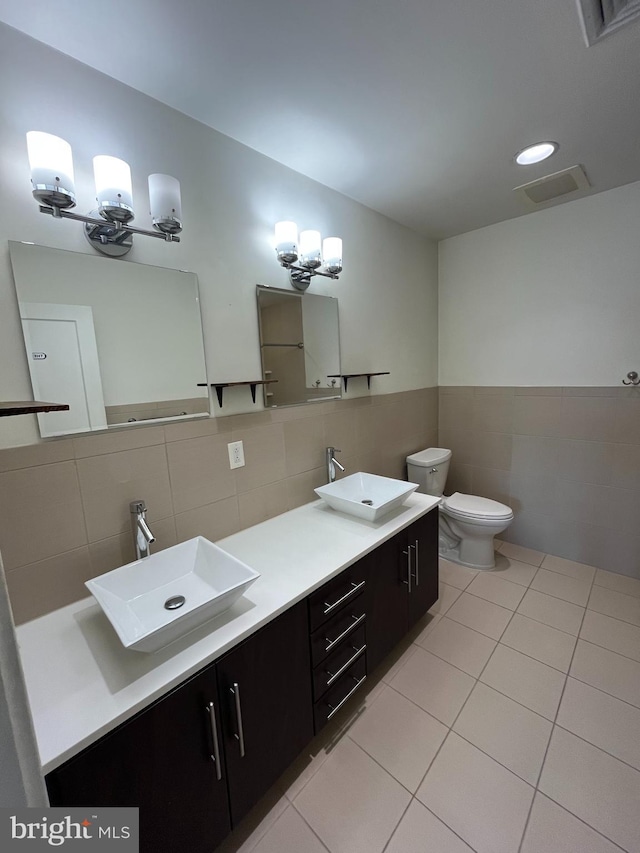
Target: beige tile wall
[
  {"x": 567, "y": 460},
  {"x": 64, "y": 504}
]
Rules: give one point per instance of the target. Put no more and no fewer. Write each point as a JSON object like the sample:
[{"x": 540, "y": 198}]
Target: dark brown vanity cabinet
[
  {"x": 402, "y": 584},
  {"x": 199, "y": 758},
  {"x": 265, "y": 693},
  {"x": 162, "y": 761}
]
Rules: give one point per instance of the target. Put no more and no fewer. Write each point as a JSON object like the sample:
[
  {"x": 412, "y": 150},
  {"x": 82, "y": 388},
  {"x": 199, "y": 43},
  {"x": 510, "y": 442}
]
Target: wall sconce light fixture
[
  {"x": 314, "y": 255},
  {"x": 108, "y": 228}
]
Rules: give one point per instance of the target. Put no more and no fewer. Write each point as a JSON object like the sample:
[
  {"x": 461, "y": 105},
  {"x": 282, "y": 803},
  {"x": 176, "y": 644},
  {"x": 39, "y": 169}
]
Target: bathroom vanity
[{"x": 197, "y": 732}]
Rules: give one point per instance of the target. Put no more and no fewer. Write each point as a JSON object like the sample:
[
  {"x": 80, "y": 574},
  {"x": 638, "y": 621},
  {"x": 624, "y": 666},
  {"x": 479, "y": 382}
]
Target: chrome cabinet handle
[
  {"x": 354, "y": 588},
  {"x": 407, "y": 554},
  {"x": 417, "y": 563},
  {"x": 210, "y": 708},
  {"x": 346, "y": 632},
  {"x": 346, "y": 698},
  {"x": 240, "y": 735},
  {"x": 345, "y": 666}
]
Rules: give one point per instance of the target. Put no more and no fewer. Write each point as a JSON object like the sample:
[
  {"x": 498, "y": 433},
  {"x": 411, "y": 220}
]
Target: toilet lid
[{"x": 471, "y": 506}]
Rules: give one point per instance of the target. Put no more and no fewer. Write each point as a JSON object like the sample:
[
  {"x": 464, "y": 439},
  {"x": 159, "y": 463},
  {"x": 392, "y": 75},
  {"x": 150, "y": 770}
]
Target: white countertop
[{"x": 82, "y": 682}]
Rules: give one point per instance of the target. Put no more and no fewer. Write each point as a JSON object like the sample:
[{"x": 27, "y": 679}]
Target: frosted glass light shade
[
  {"x": 113, "y": 188},
  {"x": 310, "y": 249},
  {"x": 332, "y": 254},
  {"x": 165, "y": 203},
  {"x": 286, "y": 234},
  {"x": 51, "y": 163}
]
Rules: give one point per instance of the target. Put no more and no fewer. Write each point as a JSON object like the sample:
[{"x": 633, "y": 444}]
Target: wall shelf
[
  {"x": 220, "y": 386},
  {"x": 8, "y": 409},
  {"x": 347, "y": 376}
]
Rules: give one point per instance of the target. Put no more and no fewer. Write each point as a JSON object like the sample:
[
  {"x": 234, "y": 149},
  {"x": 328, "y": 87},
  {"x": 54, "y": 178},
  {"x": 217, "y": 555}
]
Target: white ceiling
[{"x": 413, "y": 107}]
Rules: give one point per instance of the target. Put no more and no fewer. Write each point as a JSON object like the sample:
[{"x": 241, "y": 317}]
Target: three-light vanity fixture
[
  {"x": 311, "y": 252},
  {"x": 108, "y": 228}
]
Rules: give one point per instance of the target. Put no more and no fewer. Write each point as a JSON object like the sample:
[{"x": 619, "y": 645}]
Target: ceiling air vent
[
  {"x": 554, "y": 186},
  {"x": 601, "y": 17}
]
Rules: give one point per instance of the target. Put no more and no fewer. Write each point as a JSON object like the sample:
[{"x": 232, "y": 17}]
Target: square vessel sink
[
  {"x": 159, "y": 599},
  {"x": 366, "y": 496}
]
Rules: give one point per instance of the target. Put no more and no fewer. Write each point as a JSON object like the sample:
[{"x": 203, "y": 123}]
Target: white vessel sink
[
  {"x": 159, "y": 599},
  {"x": 366, "y": 496}
]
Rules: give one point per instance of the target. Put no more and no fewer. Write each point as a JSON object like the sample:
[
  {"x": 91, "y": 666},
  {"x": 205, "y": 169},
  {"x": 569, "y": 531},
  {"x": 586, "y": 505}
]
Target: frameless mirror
[
  {"x": 299, "y": 346},
  {"x": 119, "y": 342}
]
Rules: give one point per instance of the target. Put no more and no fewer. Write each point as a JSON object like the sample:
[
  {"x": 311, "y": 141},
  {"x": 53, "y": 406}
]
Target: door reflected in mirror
[
  {"x": 119, "y": 342},
  {"x": 299, "y": 346}
]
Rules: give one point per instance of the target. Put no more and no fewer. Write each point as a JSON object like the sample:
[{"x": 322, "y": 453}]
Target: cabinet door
[
  {"x": 265, "y": 687},
  {"x": 162, "y": 762},
  {"x": 422, "y": 539},
  {"x": 386, "y": 598}
]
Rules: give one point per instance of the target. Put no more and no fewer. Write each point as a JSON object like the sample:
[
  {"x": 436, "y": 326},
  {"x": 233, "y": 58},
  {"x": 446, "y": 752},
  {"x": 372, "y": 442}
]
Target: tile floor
[{"x": 507, "y": 722}]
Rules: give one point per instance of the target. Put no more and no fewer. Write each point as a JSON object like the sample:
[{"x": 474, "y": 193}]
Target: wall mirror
[
  {"x": 299, "y": 346},
  {"x": 119, "y": 342}
]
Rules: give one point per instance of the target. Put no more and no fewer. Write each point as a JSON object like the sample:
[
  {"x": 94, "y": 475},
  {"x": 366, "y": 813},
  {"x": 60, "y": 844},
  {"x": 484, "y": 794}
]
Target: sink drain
[
  {"x": 367, "y": 502},
  {"x": 175, "y": 602}
]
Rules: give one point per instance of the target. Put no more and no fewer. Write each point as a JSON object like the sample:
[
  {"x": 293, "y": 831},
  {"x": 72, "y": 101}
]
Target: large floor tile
[
  {"x": 420, "y": 831},
  {"x": 400, "y": 736},
  {"x": 481, "y": 801},
  {"x": 289, "y": 832},
  {"x": 601, "y": 719},
  {"x": 459, "y": 645},
  {"x": 483, "y": 616},
  {"x": 619, "y": 583},
  {"x": 256, "y": 824},
  {"x": 351, "y": 803},
  {"x": 571, "y": 569},
  {"x": 507, "y": 731},
  {"x": 552, "y": 829},
  {"x": 617, "y": 636},
  {"x": 455, "y": 575},
  {"x": 434, "y": 685},
  {"x": 394, "y": 662},
  {"x": 593, "y": 786},
  {"x": 495, "y": 589},
  {"x": 540, "y": 641},
  {"x": 510, "y": 569},
  {"x": 447, "y": 596},
  {"x": 562, "y": 586},
  {"x": 552, "y": 611},
  {"x": 529, "y": 682},
  {"x": 615, "y": 604},
  {"x": 607, "y": 671},
  {"x": 522, "y": 554}
]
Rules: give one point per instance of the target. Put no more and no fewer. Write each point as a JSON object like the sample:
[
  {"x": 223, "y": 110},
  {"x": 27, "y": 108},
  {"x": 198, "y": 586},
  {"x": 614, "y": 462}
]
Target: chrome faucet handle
[{"x": 137, "y": 507}]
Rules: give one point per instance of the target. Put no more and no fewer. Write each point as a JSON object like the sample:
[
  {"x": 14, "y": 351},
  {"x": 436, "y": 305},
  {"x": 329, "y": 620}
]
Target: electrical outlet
[{"x": 236, "y": 454}]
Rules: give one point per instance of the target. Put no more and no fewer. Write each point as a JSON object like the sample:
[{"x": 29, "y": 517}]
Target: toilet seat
[{"x": 472, "y": 507}]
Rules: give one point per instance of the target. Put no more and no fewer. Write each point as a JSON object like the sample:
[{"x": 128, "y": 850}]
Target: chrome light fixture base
[
  {"x": 53, "y": 195},
  {"x": 110, "y": 238},
  {"x": 300, "y": 277}
]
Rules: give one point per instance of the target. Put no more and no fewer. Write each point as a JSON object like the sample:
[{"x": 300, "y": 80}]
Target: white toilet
[{"x": 467, "y": 523}]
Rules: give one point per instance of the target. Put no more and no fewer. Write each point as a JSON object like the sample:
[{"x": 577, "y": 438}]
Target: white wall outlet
[{"x": 236, "y": 454}]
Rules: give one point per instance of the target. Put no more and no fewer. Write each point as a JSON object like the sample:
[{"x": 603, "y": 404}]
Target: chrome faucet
[
  {"x": 142, "y": 536},
  {"x": 332, "y": 462}
]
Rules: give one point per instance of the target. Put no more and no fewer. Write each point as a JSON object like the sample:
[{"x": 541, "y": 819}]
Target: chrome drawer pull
[
  {"x": 417, "y": 563},
  {"x": 348, "y": 630},
  {"x": 346, "y": 698},
  {"x": 210, "y": 708},
  {"x": 345, "y": 666},
  {"x": 240, "y": 736},
  {"x": 354, "y": 588},
  {"x": 407, "y": 554}
]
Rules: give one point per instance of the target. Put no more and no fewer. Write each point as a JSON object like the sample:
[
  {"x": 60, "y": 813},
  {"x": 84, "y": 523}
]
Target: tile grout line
[{"x": 546, "y": 752}]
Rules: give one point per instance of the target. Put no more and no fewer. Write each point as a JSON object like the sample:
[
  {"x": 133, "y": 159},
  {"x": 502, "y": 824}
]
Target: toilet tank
[{"x": 429, "y": 468}]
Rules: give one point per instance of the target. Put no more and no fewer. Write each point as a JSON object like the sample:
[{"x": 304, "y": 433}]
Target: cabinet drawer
[
  {"x": 337, "y": 629},
  {"x": 336, "y": 594},
  {"x": 338, "y": 662},
  {"x": 339, "y": 694}
]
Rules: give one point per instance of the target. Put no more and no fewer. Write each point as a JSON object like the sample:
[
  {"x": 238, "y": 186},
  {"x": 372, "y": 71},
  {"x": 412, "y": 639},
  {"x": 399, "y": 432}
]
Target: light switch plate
[{"x": 236, "y": 454}]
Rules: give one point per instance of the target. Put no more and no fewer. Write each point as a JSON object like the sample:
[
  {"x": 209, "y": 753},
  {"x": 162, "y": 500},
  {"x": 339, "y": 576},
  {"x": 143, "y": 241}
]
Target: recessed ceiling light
[{"x": 536, "y": 153}]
